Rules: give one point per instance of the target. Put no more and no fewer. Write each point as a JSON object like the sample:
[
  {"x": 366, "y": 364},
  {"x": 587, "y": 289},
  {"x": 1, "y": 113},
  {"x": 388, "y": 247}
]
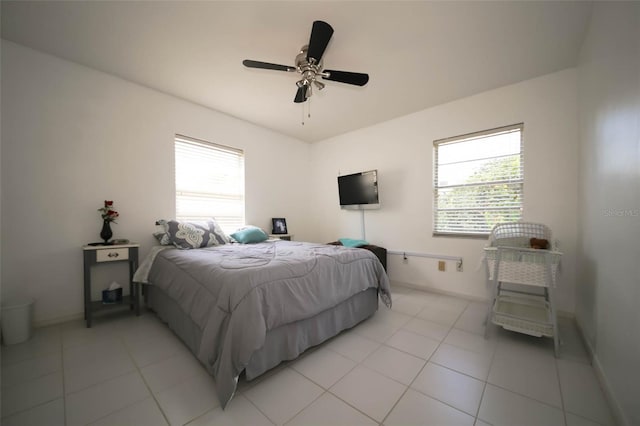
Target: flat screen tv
[{"x": 359, "y": 190}]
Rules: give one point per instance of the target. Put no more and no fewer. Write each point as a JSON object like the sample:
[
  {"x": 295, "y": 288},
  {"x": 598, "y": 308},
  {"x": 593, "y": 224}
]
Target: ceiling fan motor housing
[{"x": 310, "y": 69}]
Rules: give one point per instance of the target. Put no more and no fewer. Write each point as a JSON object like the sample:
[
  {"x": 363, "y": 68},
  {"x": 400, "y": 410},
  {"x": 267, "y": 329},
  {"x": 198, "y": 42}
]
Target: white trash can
[{"x": 16, "y": 320}]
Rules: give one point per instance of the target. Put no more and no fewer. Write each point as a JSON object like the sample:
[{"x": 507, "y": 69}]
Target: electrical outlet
[
  {"x": 459, "y": 265},
  {"x": 441, "y": 265}
]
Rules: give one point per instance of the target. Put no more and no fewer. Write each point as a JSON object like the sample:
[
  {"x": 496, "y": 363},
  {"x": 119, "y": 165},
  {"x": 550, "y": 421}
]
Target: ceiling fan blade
[
  {"x": 354, "y": 78},
  {"x": 301, "y": 95},
  {"x": 267, "y": 66},
  {"x": 321, "y": 33}
]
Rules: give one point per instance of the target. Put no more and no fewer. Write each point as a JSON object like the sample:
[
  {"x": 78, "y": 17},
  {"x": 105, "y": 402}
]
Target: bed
[{"x": 248, "y": 307}]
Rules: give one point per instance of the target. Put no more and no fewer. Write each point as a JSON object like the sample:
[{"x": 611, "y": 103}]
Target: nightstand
[
  {"x": 102, "y": 255},
  {"x": 286, "y": 237}
]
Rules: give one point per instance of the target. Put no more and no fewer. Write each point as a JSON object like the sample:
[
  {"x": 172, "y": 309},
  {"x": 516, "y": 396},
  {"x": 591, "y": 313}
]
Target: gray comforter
[{"x": 236, "y": 293}]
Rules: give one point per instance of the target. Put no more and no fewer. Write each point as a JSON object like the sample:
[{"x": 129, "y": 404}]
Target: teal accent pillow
[
  {"x": 250, "y": 234},
  {"x": 350, "y": 242}
]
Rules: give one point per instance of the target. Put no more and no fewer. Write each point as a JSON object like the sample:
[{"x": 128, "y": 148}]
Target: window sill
[{"x": 461, "y": 235}]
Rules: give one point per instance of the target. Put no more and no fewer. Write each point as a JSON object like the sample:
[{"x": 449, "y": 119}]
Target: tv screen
[{"x": 358, "y": 188}]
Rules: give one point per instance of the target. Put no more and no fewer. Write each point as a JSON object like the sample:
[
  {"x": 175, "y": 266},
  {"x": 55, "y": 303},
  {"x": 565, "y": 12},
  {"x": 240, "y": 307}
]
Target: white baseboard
[
  {"x": 609, "y": 394},
  {"x": 58, "y": 320},
  {"x": 564, "y": 314},
  {"x": 439, "y": 291},
  {"x": 567, "y": 314}
]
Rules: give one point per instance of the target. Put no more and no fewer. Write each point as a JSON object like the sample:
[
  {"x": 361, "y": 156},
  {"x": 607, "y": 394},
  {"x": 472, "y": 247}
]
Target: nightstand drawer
[{"x": 110, "y": 255}]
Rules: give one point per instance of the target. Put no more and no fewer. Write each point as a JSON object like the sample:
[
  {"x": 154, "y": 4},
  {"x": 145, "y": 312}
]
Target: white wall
[
  {"x": 608, "y": 297},
  {"x": 401, "y": 150},
  {"x": 73, "y": 137}
]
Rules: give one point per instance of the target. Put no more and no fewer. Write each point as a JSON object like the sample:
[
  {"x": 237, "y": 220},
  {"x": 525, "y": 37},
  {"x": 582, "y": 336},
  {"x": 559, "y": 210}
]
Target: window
[
  {"x": 478, "y": 181},
  {"x": 209, "y": 183}
]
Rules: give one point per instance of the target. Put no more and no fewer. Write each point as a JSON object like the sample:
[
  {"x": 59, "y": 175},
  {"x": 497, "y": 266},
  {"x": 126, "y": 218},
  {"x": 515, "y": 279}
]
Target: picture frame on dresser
[{"x": 279, "y": 225}]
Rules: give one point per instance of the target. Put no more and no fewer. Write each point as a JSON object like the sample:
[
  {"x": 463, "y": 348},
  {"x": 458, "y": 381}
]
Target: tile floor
[{"x": 424, "y": 362}]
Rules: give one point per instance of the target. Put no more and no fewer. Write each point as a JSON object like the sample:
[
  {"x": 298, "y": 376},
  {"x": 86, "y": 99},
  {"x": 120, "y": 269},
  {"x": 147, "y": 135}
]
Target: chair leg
[
  {"x": 487, "y": 321},
  {"x": 554, "y": 321}
]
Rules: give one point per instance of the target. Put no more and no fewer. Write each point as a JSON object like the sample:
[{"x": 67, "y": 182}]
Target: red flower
[{"x": 108, "y": 213}]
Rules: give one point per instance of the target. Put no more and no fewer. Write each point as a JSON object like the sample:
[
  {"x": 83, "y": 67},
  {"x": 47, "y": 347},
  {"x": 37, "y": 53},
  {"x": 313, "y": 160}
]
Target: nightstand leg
[
  {"x": 132, "y": 303},
  {"x": 136, "y": 289},
  {"x": 87, "y": 292}
]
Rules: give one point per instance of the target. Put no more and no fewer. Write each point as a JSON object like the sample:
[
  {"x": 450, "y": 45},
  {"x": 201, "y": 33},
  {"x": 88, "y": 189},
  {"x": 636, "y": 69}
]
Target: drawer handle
[{"x": 113, "y": 254}]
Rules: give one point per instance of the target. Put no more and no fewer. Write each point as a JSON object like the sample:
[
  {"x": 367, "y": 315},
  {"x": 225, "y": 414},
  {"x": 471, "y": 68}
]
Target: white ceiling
[{"x": 418, "y": 54}]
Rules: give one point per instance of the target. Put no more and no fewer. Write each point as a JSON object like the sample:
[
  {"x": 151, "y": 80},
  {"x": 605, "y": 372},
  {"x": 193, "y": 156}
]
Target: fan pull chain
[{"x": 308, "y": 103}]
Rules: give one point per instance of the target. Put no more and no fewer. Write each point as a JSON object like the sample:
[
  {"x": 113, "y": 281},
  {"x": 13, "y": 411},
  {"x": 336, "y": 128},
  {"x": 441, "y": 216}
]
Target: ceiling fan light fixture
[{"x": 301, "y": 95}]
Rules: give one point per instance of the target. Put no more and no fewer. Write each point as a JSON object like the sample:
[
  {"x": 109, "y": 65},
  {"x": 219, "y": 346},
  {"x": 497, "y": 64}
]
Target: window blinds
[
  {"x": 478, "y": 181},
  {"x": 209, "y": 182}
]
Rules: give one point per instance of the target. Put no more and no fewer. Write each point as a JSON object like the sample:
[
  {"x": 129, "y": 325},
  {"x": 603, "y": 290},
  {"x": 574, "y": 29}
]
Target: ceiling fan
[{"x": 309, "y": 65}]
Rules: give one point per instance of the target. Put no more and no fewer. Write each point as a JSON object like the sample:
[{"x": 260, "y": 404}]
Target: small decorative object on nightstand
[
  {"x": 108, "y": 215},
  {"x": 103, "y": 254},
  {"x": 279, "y": 225}
]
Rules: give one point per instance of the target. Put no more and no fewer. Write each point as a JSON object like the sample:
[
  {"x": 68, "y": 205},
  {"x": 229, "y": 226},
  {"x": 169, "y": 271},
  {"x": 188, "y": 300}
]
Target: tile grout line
[
  {"x": 299, "y": 411},
  {"x": 317, "y": 347},
  {"x": 360, "y": 363},
  {"x": 136, "y": 370},
  {"x": 486, "y": 382},
  {"x": 564, "y": 411},
  {"x": 425, "y": 364},
  {"x": 259, "y": 410},
  {"x": 561, "y": 408},
  {"x": 356, "y": 364},
  {"x": 475, "y": 418},
  {"x": 355, "y": 408},
  {"x": 144, "y": 380},
  {"x": 510, "y": 390},
  {"x": 306, "y": 406},
  {"x": 64, "y": 383},
  {"x": 24, "y": 410}
]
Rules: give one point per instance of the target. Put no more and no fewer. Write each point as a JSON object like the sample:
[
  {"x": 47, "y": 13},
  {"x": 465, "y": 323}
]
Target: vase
[{"x": 106, "y": 233}]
